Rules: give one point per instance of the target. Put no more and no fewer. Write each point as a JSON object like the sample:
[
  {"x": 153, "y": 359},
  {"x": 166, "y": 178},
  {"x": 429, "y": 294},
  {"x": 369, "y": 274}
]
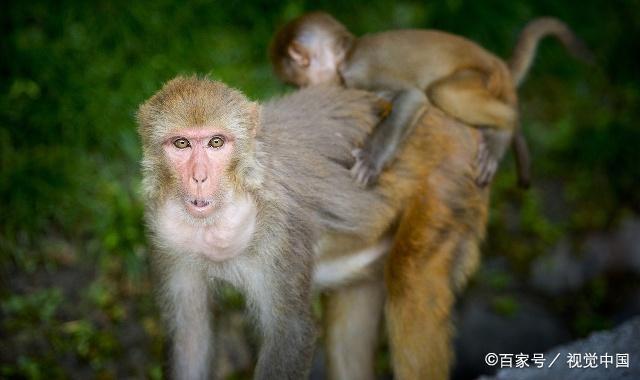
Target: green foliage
[
  {"x": 38, "y": 307},
  {"x": 90, "y": 344},
  {"x": 73, "y": 73},
  {"x": 505, "y": 305}
]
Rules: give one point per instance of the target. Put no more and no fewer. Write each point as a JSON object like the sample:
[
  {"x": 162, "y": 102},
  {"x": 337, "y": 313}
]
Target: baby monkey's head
[{"x": 309, "y": 49}]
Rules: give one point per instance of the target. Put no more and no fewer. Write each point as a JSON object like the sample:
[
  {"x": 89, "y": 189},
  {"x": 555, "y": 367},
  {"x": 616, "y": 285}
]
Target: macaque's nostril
[{"x": 200, "y": 179}]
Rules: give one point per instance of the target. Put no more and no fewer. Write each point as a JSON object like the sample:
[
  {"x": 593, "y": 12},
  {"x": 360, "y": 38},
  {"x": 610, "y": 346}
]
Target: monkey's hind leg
[
  {"x": 465, "y": 95},
  {"x": 433, "y": 255},
  {"x": 419, "y": 299},
  {"x": 523, "y": 158},
  {"x": 352, "y": 317}
]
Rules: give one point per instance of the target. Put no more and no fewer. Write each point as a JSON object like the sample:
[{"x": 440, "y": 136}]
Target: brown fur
[
  {"x": 449, "y": 69},
  {"x": 296, "y": 171},
  {"x": 457, "y": 75},
  {"x": 520, "y": 63},
  {"x": 437, "y": 242},
  {"x": 436, "y": 247},
  {"x": 288, "y": 173},
  {"x": 298, "y": 29},
  {"x": 530, "y": 37}
]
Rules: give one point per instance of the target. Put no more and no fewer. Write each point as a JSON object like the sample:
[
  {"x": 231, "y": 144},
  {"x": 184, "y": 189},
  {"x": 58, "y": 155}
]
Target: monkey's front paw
[
  {"x": 364, "y": 171},
  {"x": 486, "y": 166}
]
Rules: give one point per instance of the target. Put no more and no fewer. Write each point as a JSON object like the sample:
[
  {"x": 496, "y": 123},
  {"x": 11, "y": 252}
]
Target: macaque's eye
[
  {"x": 181, "y": 143},
  {"x": 216, "y": 142}
]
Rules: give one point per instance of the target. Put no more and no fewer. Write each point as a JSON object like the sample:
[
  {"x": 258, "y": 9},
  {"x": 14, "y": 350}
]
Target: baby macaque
[{"x": 417, "y": 67}]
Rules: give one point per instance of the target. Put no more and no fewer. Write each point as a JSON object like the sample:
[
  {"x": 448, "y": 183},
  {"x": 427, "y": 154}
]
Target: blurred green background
[{"x": 75, "y": 298}]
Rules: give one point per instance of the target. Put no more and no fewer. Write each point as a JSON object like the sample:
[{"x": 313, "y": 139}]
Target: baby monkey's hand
[{"x": 364, "y": 171}]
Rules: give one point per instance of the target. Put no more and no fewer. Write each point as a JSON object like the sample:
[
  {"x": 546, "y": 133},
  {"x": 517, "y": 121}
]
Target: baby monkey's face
[
  {"x": 317, "y": 71},
  {"x": 297, "y": 74}
]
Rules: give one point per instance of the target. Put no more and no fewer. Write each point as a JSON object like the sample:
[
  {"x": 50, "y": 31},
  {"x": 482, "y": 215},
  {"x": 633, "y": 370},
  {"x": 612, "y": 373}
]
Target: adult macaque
[
  {"x": 240, "y": 193},
  {"x": 418, "y": 66},
  {"x": 245, "y": 194},
  {"x": 433, "y": 250}
]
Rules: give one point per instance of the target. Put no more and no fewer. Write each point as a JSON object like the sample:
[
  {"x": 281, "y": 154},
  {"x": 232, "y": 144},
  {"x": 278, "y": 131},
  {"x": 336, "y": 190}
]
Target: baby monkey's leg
[
  {"x": 523, "y": 158},
  {"x": 465, "y": 96},
  {"x": 382, "y": 146},
  {"x": 492, "y": 147}
]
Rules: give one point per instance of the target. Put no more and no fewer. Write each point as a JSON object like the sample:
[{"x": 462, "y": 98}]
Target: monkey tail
[{"x": 530, "y": 37}]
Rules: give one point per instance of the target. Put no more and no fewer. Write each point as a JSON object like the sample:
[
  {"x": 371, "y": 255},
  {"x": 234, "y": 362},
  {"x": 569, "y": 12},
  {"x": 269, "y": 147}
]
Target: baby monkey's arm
[{"x": 382, "y": 146}]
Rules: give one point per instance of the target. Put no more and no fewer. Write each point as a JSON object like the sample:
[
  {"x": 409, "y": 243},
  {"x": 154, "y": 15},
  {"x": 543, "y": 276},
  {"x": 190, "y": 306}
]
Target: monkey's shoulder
[{"x": 306, "y": 139}]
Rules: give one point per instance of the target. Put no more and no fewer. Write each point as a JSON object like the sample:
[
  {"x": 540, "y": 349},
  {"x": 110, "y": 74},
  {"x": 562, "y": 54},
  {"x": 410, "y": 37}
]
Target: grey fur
[{"x": 298, "y": 176}]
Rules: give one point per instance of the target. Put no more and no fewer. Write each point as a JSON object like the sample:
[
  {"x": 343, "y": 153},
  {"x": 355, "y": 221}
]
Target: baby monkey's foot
[
  {"x": 364, "y": 171},
  {"x": 486, "y": 165}
]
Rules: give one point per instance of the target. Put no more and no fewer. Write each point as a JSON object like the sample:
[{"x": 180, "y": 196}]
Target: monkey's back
[
  {"x": 307, "y": 137},
  {"x": 382, "y": 61}
]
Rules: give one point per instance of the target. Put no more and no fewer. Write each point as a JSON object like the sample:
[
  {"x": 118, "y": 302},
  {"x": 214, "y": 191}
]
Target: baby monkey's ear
[{"x": 299, "y": 53}]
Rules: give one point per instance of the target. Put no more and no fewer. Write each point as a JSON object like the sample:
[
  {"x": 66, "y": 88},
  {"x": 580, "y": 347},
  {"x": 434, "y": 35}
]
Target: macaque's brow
[{"x": 199, "y": 132}]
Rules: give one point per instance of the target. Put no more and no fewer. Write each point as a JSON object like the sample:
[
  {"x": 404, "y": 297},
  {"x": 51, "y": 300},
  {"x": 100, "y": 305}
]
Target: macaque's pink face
[{"x": 200, "y": 158}]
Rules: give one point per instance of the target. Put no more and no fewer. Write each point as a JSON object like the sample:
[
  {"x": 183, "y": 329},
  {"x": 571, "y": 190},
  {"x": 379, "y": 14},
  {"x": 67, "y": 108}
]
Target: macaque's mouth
[
  {"x": 199, "y": 207},
  {"x": 200, "y": 203}
]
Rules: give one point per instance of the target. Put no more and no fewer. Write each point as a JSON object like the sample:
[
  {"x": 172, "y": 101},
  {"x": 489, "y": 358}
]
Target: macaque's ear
[
  {"x": 299, "y": 53},
  {"x": 255, "y": 118}
]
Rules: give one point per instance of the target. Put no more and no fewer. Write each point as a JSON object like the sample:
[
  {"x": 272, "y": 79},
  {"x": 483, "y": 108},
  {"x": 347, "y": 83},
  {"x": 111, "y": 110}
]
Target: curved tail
[{"x": 533, "y": 32}]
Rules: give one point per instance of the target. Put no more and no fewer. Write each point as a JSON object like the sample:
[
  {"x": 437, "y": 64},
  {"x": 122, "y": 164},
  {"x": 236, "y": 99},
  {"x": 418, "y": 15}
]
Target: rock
[
  {"x": 562, "y": 270},
  {"x": 558, "y": 271},
  {"x": 626, "y": 253},
  {"x": 530, "y": 328},
  {"x": 625, "y": 339}
]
